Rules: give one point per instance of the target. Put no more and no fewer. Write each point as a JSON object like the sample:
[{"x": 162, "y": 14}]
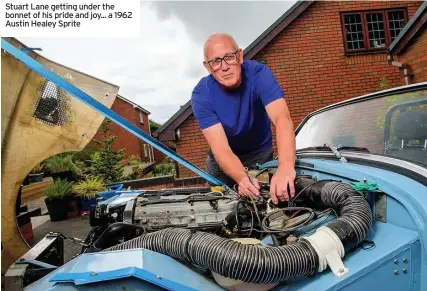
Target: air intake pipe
[{"x": 268, "y": 264}]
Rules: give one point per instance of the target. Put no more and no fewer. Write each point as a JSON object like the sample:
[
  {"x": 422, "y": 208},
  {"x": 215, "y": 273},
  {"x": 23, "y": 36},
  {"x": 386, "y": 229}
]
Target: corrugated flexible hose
[{"x": 260, "y": 263}]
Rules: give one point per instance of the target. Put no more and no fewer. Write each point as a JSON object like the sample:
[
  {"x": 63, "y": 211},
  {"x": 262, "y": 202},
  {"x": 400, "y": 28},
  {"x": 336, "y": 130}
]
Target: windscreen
[{"x": 393, "y": 125}]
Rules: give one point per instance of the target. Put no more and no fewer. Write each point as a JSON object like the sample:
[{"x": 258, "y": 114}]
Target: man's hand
[
  {"x": 279, "y": 185},
  {"x": 285, "y": 175},
  {"x": 246, "y": 188}
]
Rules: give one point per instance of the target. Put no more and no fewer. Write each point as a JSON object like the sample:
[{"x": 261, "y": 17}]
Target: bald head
[
  {"x": 220, "y": 38},
  {"x": 223, "y": 59}
]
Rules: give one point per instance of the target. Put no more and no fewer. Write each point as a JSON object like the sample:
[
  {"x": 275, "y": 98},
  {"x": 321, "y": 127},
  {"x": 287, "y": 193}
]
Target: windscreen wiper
[{"x": 335, "y": 150}]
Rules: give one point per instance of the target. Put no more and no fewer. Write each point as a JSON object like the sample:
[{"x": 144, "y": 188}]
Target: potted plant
[
  {"x": 36, "y": 174},
  {"x": 61, "y": 167},
  {"x": 87, "y": 189},
  {"x": 56, "y": 199},
  {"x": 74, "y": 205}
]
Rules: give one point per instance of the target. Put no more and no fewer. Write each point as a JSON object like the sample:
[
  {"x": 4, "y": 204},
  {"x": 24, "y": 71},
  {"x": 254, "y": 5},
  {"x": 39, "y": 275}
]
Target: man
[{"x": 234, "y": 107}]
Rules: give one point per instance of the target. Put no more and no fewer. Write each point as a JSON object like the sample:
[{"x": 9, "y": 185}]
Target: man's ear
[
  {"x": 241, "y": 56},
  {"x": 207, "y": 67}
]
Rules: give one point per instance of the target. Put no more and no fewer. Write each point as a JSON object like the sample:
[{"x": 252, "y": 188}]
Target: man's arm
[
  {"x": 228, "y": 161},
  {"x": 279, "y": 114},
  {"x": 215, "y": 136},
  {"x": 272, "y": 97}
]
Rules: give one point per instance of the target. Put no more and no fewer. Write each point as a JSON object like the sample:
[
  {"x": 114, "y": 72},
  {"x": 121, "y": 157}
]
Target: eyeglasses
[{"x": 230, "y": 59}]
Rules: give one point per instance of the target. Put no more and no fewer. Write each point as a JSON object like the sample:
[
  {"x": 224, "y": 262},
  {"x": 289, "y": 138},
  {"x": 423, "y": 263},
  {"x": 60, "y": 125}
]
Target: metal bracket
[
  {"x": 128, "y": 213},
  {"x": 29, "y": 49},
  {"x": 72, "y": 239},
  {"x": 35, "y": 263},
  {"x": 380, "y": 206},
  {"x": 337, "y": 153}
]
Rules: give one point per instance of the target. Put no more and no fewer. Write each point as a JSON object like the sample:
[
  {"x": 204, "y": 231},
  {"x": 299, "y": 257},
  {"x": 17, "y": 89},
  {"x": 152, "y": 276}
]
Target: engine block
[{"x": 172, "y": 212}]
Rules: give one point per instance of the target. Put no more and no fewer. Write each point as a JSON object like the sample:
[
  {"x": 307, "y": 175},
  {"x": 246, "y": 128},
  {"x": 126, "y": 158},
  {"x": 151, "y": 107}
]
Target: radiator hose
[{"x": 269, "y": 264}]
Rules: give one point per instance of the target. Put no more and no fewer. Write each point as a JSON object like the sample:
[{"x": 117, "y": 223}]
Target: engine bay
[
  {"x": 209, "y": 211},
  {"x": 213, "y": 231}
]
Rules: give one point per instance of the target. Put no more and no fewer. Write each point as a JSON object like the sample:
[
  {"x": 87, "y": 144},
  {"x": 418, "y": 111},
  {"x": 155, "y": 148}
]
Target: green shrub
[
  {"x": 60, "y": 163},
  {"x": 154, "y": 126},
  {"x": 59, "y": 189},
  {"x": 88, "y": 187},
  {"x": 85, "y": 155},
  {"x": 163, "y": 169},
  {"x": 134, "y": 160},
  {"x": 106, "y": 163}
]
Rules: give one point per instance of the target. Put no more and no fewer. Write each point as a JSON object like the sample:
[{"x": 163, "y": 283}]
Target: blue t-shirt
[{"x": 241, "y": 112}]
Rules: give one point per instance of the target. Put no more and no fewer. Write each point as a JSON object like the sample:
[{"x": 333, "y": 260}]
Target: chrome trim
[{"x": 370, "y": 157}]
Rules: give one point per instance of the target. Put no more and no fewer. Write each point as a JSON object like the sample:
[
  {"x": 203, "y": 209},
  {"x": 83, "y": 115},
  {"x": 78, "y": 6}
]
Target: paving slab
[{"x": 36, "y": 221}]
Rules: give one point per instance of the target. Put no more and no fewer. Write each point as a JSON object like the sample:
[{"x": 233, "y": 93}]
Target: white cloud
[{"x": 150, "y": 71}]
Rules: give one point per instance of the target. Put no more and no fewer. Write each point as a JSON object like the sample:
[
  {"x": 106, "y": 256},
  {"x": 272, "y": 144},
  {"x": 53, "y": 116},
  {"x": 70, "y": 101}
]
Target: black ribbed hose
[
  {"x": 250, "y": 263},
  {"x": 264, "y": 264},
  {"x": 354, "y": 214}
]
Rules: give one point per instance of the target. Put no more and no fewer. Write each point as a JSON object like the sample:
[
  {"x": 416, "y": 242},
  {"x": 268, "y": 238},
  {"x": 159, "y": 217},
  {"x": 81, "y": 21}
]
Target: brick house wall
[
  {"x": 126, "y": 140},
  {"x": 192, "y": 146},
  {"x": 158, "y": 156},
  {"x": 309, "y": 61},
  {"x": 416, "y": 56}
]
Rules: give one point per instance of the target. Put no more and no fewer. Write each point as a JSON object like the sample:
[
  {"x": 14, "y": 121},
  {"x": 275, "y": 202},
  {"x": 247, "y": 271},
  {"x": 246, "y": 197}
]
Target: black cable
[
  {"x": 236, "y": 213},
  {"x": 252, "y": 220},
  {"x": 256, "y": 212}
]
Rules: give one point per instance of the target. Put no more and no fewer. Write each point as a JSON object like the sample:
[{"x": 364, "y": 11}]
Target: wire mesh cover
[{"x": 53, "y": 104}]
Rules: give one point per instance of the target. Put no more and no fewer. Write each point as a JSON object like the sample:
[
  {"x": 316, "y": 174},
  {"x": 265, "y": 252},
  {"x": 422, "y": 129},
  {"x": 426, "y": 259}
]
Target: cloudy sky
[{"x": 159, "y": 70}]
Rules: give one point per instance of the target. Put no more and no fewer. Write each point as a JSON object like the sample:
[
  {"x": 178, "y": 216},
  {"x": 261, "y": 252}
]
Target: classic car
[{"x": 358, "y": 219}]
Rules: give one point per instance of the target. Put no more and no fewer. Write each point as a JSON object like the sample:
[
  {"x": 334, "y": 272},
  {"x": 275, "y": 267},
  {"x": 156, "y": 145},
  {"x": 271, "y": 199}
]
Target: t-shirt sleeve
[
  {"x": 202, "y": 109},
  {"x": 267, "y": 87}
]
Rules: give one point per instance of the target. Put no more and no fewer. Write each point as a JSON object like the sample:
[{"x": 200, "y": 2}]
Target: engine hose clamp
[{"x": 330, "y": 250}]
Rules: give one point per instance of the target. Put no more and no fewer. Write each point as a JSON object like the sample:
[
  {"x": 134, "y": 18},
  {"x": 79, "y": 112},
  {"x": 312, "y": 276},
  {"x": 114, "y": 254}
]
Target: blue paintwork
[
  {"x": 107, "y": 267},
  {"x": 111, "y": 192},
  {"x": 369, "y": 267},
  {"x": 122, "y": 198}
]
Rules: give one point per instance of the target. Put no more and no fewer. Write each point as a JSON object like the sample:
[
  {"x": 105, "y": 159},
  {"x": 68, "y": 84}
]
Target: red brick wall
[
  {"x": 158, "y": 156},
  {"x": 126, "y": 140},
  {"x": 309, "y": 62},
  {"x": 416, "y": 56},
  {"x": 308, "y": 58},
  {"x": 192, "y": 146}
]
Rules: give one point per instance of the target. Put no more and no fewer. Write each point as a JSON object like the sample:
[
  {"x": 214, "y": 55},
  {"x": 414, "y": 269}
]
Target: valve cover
[{"x": 201, "y": 210}]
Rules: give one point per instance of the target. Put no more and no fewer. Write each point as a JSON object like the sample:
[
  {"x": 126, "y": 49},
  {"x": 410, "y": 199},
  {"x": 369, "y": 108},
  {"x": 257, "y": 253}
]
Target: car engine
[{"x": 208, "y": 229}]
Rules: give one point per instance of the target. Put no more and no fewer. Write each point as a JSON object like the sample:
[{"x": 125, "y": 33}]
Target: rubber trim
[{"x": 385, "y": 166}]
